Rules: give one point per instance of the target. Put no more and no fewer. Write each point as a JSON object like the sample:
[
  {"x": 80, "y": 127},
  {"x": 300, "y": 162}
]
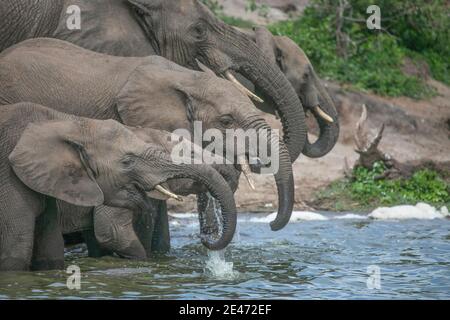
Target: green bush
[
  {"x": 375, "y": 57},
  {"x": 366, "y": 191},
  {"x": 424, "y": 186},
  {"x": 415, "y": 29}
]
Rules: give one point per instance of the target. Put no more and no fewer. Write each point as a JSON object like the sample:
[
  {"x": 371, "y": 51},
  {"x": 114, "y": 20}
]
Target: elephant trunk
[
  {"x": 219, "y": 189},
  {"x": 268, "y": 79},
  {"x": 284, "y": 178},
  {"x": 329, "y": 130}
]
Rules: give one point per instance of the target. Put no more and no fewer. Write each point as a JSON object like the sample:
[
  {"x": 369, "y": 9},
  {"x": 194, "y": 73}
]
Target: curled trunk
[
  {"x": 329, "y": 131},
  {"x": 219, "y": 189}
]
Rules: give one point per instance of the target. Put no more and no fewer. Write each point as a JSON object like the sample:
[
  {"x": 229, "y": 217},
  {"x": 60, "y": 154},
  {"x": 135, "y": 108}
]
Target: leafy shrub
[
  {"x": 375, "y": 57},
  {"x": 415, "y": 29},
  {"x": 365, "y": 191},
  {"x": 424, "y": 186}
]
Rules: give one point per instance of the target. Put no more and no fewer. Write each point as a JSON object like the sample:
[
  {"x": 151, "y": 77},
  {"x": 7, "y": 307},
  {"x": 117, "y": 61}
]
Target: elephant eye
[
  {"x": 128, "y": 161},
  {"x": 226, "y": 121},
  {"x": 199, "y": 31}
]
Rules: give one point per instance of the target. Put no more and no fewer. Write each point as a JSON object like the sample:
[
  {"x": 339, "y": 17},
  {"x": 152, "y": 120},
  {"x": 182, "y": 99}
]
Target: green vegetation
[
  {"x": 415, "y": 31},
  {"x": 366, "y": 191},
  {"x": 262, "y": 9},
  {"x": 373, "y": 59}
]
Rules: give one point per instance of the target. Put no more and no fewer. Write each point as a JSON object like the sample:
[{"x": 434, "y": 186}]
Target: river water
[{"x": 317, "y": 256}]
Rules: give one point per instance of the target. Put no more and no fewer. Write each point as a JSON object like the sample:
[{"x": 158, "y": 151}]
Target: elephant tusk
[
  {"x": 241, "y": 87},
  {"x": 246, "y": 170},
  {"x": 323, "y": 114},
  {"x": 168, "y": 193}
]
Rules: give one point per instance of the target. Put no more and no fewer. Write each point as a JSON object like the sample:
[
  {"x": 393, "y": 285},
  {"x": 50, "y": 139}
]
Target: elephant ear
[
  {"x": 148, "y": 95},
  {"x": 139, "y": 102},
  {"x": 50, "y": 159}
]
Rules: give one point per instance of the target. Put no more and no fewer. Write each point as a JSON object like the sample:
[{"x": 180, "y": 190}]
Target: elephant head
[
  {"x": 92, "y": 162},
  {"x": 186, "y": 30},
  {"x": 179, "y": 98},
  {"x": 297, "y": 68},
  {"x": 133, "y": 234}
]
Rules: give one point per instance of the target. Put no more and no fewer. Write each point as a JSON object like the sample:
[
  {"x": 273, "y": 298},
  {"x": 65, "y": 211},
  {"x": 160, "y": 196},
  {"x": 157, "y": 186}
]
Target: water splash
[
  {"x": 217, "y": 212},
  {"x": 217, "y": 267},
  {"x": 237, "y": 234}
]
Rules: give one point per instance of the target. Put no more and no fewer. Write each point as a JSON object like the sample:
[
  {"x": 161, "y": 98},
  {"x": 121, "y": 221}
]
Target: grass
[{"x": 365, "y": 192}]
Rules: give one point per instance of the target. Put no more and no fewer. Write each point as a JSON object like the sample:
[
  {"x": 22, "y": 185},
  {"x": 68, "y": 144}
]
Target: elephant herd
[{"x": 87, "y": 115}]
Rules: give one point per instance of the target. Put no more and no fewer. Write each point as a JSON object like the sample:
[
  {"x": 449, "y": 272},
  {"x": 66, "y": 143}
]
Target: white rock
[{"x": 419, "y": 211}]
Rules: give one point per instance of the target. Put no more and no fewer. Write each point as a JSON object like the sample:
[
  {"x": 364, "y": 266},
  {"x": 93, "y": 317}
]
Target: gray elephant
[
  {"x": 48, "y": 155},
  {"x": 297, "y": 68},
  {"x": 138, "y": 235},
  {"x": 180, "y": 30},
  {"x": 149, "y": 92}
]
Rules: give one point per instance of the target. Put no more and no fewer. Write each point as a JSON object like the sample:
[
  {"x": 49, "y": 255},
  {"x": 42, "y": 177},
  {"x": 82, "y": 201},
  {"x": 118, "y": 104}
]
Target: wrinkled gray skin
[
  {"x": 179, "y": 30},
  {"x": 149, "y": 92},
  {"x": 139, "y": 236},
  {"x": 48, "y": 156},
  {"x": 297, "y": 68}
]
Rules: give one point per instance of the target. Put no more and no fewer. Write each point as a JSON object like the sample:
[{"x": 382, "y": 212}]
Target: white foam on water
[
  {"x": 419, "y": 211},
  {"x": 350, "y": 216},
  {"x": 295, "y": 217},
  {"x": 174, "y": 223},
  {"x": 122, "y": 271},
  {"x": 218, "y": 268}
]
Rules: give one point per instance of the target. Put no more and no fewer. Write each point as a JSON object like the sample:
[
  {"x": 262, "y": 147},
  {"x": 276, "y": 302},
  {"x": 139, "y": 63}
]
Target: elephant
[
  {"x": 182, "y": 31},
  {"x": 134, "y": 235},
  {"x": 138, "y": 235},
  {"x": 48, "y": 155},
  {"x": 297, "y": 68},
  {"x": 149, "y": 92}
]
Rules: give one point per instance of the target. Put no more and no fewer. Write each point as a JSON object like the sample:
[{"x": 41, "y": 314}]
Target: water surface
[{"x": 325, "y": 257}]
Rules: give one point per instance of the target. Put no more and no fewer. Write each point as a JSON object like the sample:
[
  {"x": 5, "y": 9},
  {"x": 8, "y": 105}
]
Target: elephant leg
[
  {"x": 161, "y": 233},
  {"x": 94, "y": 248},
  {"x": 48, "y": 251},
  {"x": 152, "y": 228},
  {"x": 144, "y": 226},
  {"x": 16, "y": 242},
  {"x": 17, "y": 225},
  {"x": 114, "y": 231}
]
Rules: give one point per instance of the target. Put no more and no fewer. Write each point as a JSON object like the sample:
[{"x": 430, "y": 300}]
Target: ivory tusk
[
  {"x": 168, "y": 193},
  {"x": 247, "y": 172},
  {"x": 323, "y": 114},
  {"x": 241, "y": 87}
]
